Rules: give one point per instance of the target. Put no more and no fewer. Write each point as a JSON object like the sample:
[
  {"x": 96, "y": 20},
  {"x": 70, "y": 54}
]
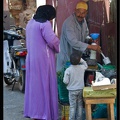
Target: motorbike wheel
[
  {"x": 8, "y": 81},
  {"x": 21, "y": 81}
]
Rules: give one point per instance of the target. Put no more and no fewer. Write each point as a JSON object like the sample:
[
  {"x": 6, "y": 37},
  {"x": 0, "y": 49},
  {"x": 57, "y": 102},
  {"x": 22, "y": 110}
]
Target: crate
[
  {"x": 88, "y": 92},
  {"x": 65, "y": 112},
  {"x": 65, "y": 117},
  {"x": 94, "y": 67}
]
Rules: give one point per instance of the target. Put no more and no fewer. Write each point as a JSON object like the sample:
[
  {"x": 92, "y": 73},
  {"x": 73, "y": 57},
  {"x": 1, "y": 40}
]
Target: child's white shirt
[{"x": 74, "y": 76}]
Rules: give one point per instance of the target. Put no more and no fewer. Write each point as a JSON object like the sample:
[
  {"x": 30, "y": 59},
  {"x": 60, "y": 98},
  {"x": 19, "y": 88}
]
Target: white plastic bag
[{"x": 101, "y": 80}]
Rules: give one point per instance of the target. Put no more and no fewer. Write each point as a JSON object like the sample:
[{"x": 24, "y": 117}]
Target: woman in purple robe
[{"x": 41, "y": 96}]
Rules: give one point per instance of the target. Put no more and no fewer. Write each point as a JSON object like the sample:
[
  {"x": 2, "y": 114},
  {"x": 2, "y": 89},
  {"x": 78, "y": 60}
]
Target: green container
[
  {"x": 109, "y": 67},
  {"x": 106, "y": 67},
  {"x": 107, "y": 70},
  {"x": 62, "y": 90},
  {"x": 63, "y": 94}
]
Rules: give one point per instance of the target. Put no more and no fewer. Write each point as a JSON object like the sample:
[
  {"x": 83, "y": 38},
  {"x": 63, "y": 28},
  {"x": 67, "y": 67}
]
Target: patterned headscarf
[{"x": 44, "y": 13}]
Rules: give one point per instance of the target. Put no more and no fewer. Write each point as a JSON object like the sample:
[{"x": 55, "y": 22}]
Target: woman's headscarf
[{"x": 44, "y": 13}]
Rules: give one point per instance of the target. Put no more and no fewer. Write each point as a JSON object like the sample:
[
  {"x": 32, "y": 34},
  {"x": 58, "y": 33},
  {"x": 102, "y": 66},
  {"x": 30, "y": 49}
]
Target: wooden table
[
  {"x": 110, "y": 107},
  {"x": 98, "y": 99}
]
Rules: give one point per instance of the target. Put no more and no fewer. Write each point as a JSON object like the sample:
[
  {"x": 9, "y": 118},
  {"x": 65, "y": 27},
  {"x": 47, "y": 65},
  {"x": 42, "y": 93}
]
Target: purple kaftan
[{"x": 41, "y": 96}]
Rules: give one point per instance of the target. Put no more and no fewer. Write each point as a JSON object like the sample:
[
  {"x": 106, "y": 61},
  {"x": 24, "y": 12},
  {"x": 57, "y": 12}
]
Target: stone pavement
[{"x": 13, "y": 103}]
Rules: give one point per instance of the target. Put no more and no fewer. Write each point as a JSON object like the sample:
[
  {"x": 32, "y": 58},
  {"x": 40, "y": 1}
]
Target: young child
[{"x": 74, "y": 78}]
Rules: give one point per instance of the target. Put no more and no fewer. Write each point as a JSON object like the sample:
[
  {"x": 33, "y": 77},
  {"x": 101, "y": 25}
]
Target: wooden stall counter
[{"x": 99, "y": 97}]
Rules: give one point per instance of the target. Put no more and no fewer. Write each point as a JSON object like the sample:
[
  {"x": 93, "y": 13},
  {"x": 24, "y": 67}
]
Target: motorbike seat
[
  {"x": 12, "y": 35},
  {"x": 21, "y": 49},
  {"x": 17, "y": 46}
]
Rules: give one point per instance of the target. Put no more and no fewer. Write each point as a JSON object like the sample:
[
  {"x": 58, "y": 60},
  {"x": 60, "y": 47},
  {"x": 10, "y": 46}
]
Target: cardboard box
[{"x": 104, "y": 87}]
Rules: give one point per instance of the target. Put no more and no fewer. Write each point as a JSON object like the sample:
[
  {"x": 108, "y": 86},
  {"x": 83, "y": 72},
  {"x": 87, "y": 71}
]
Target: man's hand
[
  {"x": 90, "y": 41},
  {"x": 95, "y": 47},
  {"x": 96, "y": 41}
]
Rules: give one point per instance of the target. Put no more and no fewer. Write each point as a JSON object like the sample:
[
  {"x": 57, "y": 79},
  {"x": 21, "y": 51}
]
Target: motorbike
[{"x": 14, "y": 58}]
